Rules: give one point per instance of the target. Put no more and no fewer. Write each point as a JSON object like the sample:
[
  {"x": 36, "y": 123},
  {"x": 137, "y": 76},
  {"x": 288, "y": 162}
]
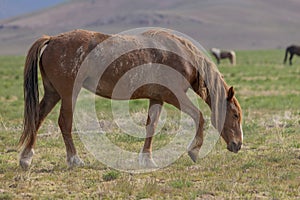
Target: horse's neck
[
  {"x": 214, "y": 82},
  {"x": 204, "y": 92},
  {"x": 206, "y": 96}
]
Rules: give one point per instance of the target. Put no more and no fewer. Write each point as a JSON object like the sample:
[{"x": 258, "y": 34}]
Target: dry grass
[{"x": 266, "y": 168}]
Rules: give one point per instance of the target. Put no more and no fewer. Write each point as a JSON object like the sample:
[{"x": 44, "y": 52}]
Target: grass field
[{"x": 267, "y": 167}]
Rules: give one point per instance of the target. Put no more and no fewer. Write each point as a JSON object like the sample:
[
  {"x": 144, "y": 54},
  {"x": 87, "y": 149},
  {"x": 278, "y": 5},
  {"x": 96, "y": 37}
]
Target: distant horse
[
  {"x": 293, "y": 49},
  {"x": 222, "y": 54},
  {"x": 61, "y": 62}
]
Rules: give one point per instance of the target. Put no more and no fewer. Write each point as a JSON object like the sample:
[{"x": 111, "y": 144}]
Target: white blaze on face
[
  {"x": 242, "y": 134},
  {"x": 233, "y": 106}
]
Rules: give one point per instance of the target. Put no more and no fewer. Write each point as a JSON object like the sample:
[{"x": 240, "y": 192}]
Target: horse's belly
[{"x": 126, "y": 89}]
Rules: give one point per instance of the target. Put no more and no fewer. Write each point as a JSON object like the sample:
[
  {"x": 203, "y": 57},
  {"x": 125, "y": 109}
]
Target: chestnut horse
[
  {"x": 222, "y": 54},
  {"x": 60, "y": 65},
  {"x": 292, "y": 50}
]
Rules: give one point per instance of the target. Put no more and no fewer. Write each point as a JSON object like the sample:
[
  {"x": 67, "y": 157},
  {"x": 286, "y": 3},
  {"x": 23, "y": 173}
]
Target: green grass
[
  {"x": 110, "y": 175},
  {"x": 266, "y": 167}
]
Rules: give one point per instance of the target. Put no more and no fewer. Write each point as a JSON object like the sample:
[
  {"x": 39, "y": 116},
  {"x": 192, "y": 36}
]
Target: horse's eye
[{"x": 236, "y": 116}]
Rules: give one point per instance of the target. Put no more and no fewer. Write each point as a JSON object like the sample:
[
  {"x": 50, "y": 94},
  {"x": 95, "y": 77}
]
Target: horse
[
  {"x": 293, "y": 49},
  {"x": 61, "y": 60},
  {"x": 223, "y": 54}
]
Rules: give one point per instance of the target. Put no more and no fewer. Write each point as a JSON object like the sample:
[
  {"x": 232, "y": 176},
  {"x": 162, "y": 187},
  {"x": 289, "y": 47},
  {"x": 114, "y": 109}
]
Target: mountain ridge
[{"x": 228, "y": 24}]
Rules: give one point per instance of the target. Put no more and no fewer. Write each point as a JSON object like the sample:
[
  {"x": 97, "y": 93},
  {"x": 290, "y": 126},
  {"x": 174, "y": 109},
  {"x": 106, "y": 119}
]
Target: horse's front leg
[
  {"x": 145, "y": 158},
  {"x": 195, "y": 145},
  {"x": 183, "y": 103},
  {"x": 65, "y": 124},
  {"x": 291, "y": 57}
]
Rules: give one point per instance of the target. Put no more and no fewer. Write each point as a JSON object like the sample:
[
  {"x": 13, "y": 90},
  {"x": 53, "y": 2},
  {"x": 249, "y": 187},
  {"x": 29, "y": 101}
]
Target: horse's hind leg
[
  {"x": 65, "y": 123},
  {"x": 145, "y": 158},
  {"x": 47, "y": 103}
]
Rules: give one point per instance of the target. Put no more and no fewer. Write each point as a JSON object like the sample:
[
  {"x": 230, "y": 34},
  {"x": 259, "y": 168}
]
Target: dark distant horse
[
  {"x": 293, "y": 49},
  {"x": 60, "y": 65},
  {"x": 223, "y": 54}
]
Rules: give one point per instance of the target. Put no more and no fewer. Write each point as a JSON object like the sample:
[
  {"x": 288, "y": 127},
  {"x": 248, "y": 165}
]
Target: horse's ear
[{"x": 230, "y": 94}]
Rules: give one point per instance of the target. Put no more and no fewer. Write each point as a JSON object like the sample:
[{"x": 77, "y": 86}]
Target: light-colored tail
[{"x": 233, "y": 61}]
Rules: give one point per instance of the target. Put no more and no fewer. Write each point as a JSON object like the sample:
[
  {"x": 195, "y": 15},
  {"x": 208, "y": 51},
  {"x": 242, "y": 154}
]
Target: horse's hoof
[
  {"x": 26, "y": 159},
  {"x": 194, "y": 149},
  {"x": 74, "y": 161},
  {"x": 25, "y": 163},
  {"x": 146, "y": 161},
  {"x": 193, "y": 155}
]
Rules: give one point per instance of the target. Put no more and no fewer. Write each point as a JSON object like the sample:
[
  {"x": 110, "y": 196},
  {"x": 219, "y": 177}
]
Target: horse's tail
[
  {"x": 233, "y": 58},
  {"x": 31, "y": 93},
  {"x": 286, "y": 55}
]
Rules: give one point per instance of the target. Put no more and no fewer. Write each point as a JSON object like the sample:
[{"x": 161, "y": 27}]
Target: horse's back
[
  {"x": 67, "y": 46},
  {"x": 295, "y": 49},
  {"x": 64, "y": 54}
]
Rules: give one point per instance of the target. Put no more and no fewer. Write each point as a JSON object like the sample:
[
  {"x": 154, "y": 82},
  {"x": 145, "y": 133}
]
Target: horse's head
[{"x": 232, "y": 131}]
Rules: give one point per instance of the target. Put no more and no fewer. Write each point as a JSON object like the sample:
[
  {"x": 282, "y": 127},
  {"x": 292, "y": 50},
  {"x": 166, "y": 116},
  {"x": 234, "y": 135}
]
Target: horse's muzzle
[{"x": 234, "y": 147}]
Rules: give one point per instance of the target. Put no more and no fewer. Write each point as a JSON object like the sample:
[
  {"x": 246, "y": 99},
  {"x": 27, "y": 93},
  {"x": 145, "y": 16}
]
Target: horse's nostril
[
  {"x": 234, "y": 147},
  {"x": 239, "y": 146}
]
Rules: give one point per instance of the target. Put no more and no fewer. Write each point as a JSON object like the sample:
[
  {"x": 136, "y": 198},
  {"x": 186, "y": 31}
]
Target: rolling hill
[{"x": 229, "y": 24}]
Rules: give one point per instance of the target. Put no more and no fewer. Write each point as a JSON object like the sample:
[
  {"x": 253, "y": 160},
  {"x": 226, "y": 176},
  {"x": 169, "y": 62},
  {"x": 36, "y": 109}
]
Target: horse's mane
[
  {"x": 184, "y": 45},
  {"x": 196, "y": 56}
]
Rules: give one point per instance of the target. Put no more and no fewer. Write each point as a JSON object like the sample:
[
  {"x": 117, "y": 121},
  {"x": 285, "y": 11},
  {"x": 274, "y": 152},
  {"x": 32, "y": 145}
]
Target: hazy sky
[{"x": 12, "y": 8}]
